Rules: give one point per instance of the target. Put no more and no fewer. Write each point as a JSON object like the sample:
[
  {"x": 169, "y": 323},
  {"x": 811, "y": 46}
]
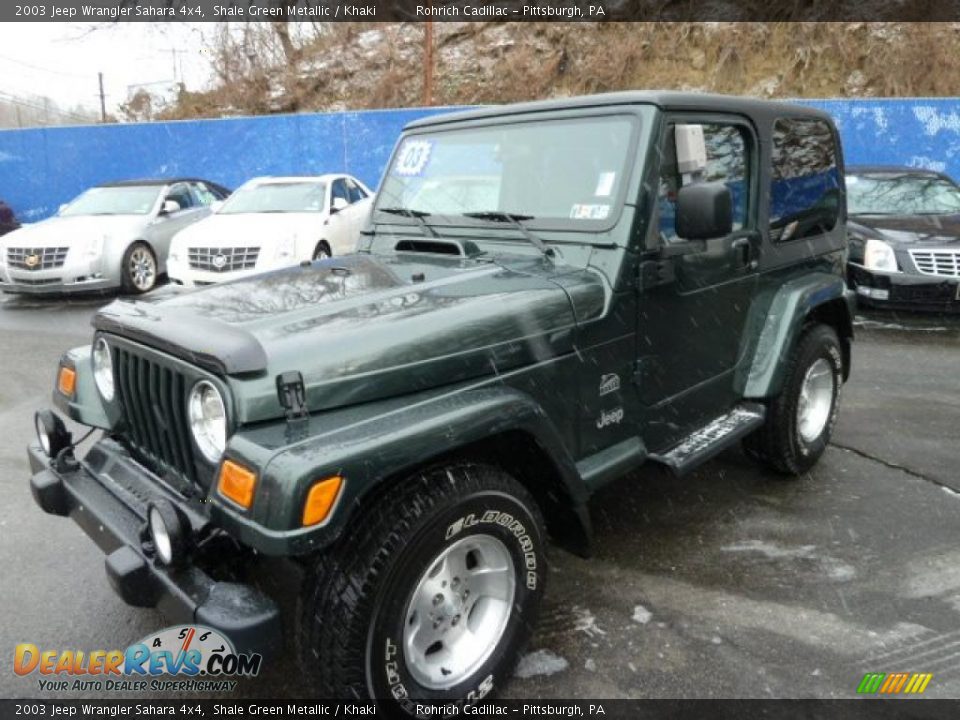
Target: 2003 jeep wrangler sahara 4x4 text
[{"x": 547, "y": 296}]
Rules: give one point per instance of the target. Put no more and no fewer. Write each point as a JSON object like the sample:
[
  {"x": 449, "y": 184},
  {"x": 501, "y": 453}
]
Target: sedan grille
[
  {"x": 942, "y": 263},
  {"x": 153, "y": 397},
  {"x": 223, "y": 259},
  {"x": 36, "y": 258}
]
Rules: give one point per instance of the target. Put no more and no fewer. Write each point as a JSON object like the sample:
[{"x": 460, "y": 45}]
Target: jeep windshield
[{"x": 556, "y": 174}]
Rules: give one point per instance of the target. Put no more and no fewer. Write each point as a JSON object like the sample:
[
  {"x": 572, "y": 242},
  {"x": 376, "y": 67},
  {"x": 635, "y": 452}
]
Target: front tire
[
  {"x": 800, "y": 419},
  {"x": 430, "y": 596},
  {"x": 138, "y": 271}
]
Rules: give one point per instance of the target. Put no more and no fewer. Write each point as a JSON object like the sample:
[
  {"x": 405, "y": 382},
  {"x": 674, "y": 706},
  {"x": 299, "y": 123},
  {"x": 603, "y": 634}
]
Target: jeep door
[{"x": 695, "y": 294}]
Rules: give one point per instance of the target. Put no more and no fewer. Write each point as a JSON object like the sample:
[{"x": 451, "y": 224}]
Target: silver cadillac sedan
[{"x": 112, "y": 236}]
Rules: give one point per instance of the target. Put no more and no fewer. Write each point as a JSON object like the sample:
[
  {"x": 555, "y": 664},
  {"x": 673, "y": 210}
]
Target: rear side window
[
  {"x": 805, "y": 183},
  {"x": 727, "y": 162}
]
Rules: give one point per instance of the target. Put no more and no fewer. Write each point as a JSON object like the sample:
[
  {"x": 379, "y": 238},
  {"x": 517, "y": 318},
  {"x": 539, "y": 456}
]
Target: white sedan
[
  {"x": 269, "y": 223},
  {"x": 113, "y": 235}
]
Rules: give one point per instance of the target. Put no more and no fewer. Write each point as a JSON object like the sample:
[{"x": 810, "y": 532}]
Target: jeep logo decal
[{"x": 610, "y": 418}]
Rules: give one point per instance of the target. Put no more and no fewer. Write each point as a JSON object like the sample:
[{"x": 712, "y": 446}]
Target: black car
[
  {"x": 904, "y": 235},
  {"x": 8, "y": 221}
]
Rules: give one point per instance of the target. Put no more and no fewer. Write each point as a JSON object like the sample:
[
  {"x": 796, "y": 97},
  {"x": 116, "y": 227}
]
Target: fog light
[
  {"x": 167, "y": 532},
  {"x": 873, "y": 293},
  {"x": 51, "y": 432}
]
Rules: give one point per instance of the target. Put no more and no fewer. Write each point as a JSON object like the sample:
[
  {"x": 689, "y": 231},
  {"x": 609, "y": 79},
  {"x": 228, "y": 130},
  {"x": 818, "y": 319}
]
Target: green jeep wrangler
[{"x": 547, "y": 296}]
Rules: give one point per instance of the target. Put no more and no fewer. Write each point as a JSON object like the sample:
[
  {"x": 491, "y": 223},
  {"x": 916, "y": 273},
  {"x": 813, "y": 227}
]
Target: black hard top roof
[{"x": 669, "y": 100}]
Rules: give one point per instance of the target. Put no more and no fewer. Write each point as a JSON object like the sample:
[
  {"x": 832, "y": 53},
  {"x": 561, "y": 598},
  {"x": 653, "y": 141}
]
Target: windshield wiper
[
  {"x": 417, "y": 215},
  {"x": 517, "y": 222}
]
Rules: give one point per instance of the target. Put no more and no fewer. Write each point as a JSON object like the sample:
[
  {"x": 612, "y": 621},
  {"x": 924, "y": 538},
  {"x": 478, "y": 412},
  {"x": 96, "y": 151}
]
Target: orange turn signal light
[
  {"x": 320, "y": 500},
  {"x": 67, "y": 380},
  {"x": 237, "y": 483}
]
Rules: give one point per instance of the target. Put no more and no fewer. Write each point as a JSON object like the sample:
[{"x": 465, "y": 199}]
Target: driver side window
[
  {"x": 727, "y": 162},
  {"x": 180, "y": 194},
  {"x": 339, "y": 190}
]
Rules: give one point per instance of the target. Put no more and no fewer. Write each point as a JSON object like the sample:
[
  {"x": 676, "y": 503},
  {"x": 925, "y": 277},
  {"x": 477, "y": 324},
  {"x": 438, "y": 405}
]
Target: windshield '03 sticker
[
  {"x": 413, "y": 158},
  {"x": 589, "y": 212},
  {"x": 605, "y": 184}
]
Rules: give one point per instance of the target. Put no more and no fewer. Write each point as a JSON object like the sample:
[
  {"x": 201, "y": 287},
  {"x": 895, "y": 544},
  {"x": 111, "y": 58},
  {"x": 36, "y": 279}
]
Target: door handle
[{"x": 745, "y": 247}]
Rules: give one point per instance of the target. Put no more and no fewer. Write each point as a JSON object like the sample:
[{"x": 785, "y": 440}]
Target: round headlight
[
  {"x": 208, "y": 420},
  {"x": 103, "y": 369}
]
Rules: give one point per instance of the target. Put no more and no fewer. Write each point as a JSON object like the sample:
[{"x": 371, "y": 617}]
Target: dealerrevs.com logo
[{"x": 201, "y": 659}]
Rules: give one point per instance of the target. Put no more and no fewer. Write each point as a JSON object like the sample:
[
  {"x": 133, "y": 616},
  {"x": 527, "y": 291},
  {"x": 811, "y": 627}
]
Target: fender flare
[
  {"x": 782, "y": 316},
  {"x": 373, "y": 451}
]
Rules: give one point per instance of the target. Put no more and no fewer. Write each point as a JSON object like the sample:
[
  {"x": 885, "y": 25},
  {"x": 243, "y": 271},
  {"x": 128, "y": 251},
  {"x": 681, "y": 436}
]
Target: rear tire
[
  {"x": 800, "y": 419},
  {"x": 428, "y": 597},
  {"x": 138, "y": 270}
]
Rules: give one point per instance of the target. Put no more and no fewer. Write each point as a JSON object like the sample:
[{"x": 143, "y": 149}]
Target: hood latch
[{"x": 292, "y": 394}]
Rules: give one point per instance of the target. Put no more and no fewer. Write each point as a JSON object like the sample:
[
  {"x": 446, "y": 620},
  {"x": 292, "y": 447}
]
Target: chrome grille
[
  {"x": 942, "y": 263},
  {"x": 153, "y": 398},
  {"x": 223, "y": 259},
  {"x": 36, "y": 258}
]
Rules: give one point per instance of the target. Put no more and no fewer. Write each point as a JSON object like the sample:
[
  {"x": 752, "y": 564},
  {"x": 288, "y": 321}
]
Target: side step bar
[{"x": 713, "y": 438}]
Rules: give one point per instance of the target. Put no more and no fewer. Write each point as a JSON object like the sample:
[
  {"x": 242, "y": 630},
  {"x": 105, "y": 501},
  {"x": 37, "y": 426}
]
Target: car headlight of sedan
[
  {"x": 286, "y": 249},
  {"x": 103, "y": 369},
  {"x": 94, "y": 246},
  {"x": 878, "y": 255},
  {"x": 208, "y": 420}
]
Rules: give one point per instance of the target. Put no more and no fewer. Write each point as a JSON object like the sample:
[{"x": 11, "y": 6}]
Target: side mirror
[
  {"x": 216, "y": 205},
  {"x": 704, "y": 211},
  {"x": 170, "y": 207},
  {"x": 338, "y": 204}
]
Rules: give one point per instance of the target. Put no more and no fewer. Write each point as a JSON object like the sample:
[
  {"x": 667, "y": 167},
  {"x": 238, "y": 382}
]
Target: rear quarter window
[{"x": 805, "y": 187}]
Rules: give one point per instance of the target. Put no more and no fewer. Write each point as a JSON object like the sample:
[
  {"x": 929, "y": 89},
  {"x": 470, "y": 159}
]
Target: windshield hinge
[{"x": 292, "y": 394}]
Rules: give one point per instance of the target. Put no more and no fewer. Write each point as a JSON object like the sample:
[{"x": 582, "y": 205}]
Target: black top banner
[
  {"x": 492, "y": 710},
  {"x": 476, "y": 10}
]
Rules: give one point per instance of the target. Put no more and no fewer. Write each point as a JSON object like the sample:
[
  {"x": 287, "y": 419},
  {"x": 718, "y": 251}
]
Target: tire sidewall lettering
[{"x": 491, "y": 514}]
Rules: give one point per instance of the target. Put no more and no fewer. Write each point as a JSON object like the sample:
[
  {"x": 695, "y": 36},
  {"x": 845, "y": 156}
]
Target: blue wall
[{"x": 42, "y": 168}]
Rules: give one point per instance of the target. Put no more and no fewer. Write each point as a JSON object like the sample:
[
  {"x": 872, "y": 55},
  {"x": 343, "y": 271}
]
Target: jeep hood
[{"x": 365, "y": 327}]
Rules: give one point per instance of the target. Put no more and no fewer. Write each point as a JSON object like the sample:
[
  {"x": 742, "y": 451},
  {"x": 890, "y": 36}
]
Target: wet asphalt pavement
[{"x": 728, "y": 583}]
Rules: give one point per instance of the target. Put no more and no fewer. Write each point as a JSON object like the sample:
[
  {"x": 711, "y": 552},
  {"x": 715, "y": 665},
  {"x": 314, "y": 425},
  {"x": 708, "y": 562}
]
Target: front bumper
[
  {"x": 904, "y": 291},
  {"x": 181, "y": 274},
  {"x": 54, "y": 282},
  {"x": 107, "y": 495}
]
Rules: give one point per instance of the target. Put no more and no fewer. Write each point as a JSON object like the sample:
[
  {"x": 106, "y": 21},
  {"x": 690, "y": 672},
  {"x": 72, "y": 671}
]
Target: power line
[
  {"x": 42, "y": 69},
  {"x": 45, "y": 109}
]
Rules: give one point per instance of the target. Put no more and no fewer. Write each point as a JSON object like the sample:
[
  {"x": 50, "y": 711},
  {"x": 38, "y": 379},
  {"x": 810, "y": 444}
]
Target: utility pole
[
  {"x": 103, "y": 100},
  {"x": 428, "y": 63}
]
